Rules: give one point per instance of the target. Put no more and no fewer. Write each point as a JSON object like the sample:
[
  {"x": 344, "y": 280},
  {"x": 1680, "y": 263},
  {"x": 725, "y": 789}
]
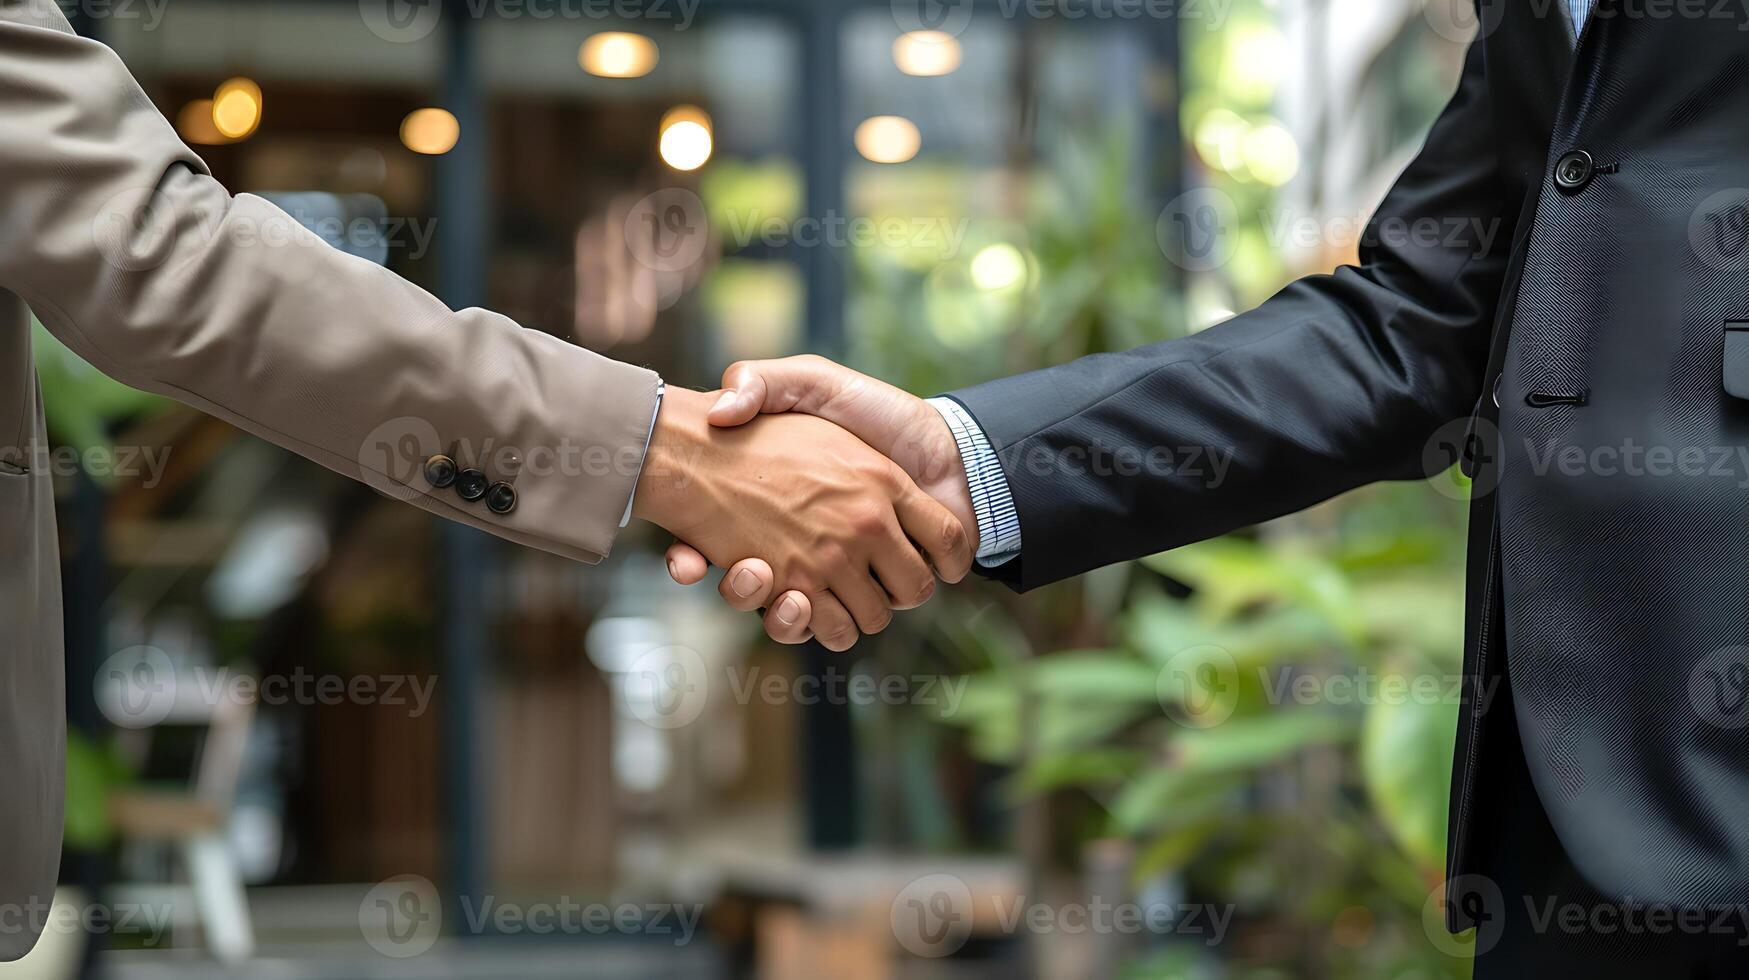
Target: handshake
[{"x": 839, "y": 496}]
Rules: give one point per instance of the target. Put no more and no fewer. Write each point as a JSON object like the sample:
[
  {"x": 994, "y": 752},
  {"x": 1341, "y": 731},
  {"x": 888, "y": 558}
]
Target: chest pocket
[
  {"x": 1736, "y": 358},
  {"x": 17, "y": 386}
]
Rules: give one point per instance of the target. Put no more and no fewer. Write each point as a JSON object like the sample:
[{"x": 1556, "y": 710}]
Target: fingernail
[
  {"x": 727, "y": 401},
  {"x": 671, "y": 572},
  {"x": 746, "y": 583},
  {"x": 788, "y": 611}
]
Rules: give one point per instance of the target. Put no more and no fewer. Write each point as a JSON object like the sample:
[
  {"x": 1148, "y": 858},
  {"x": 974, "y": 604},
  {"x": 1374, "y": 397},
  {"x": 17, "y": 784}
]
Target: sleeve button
[
  {"x": 501, "y": 498},
  {"x": 471, "y": 484},
  {"x": 440, "y": 471}
]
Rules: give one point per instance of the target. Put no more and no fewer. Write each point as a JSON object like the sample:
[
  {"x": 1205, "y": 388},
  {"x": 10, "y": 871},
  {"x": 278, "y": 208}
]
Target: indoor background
[{"x": 318, "y": 733}]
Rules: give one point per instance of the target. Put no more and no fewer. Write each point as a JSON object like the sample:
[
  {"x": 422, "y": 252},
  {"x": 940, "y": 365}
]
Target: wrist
[
  {"x": 942, "y": 473},
  {"x": 678, "y": 441}
]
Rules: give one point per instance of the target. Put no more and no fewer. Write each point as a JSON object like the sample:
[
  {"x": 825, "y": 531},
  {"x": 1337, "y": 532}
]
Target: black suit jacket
[{"x": 1588, "y": 340}]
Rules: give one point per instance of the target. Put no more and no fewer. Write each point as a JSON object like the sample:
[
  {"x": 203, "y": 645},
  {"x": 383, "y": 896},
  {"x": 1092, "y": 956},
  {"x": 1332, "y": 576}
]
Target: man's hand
[
  {"x": 838, "y": 524},
  {"x": 892, "y": 421}
]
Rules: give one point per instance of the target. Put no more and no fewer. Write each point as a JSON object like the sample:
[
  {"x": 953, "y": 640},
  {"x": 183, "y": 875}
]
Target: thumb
[
  {"x": 743, "y": 395},
  {"x": 789, "y": 384},
  {"x": 685, "y": 564}
]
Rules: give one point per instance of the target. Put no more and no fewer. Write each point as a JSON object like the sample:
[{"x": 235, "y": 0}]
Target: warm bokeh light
[
  {"x": 617, "y": 54},
  {"x": 998, "y": 267},
  {"x": 888, "y": 139},
  {"x": 430, "y": 131},
  {"x": 927, "y": 53},
  {"x": 686, "y": 141},
  {"x": 195, "y": 124},
  {"x": 237, "y": 108},
  {"x": 1271, "y": 154}
]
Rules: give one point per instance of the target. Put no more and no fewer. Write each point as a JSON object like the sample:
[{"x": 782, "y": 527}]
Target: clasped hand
[{"x": 840, "y": 495}]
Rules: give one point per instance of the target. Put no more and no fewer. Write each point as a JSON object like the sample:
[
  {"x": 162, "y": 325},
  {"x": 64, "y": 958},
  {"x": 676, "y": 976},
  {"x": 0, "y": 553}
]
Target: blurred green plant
[
  {"x": 94, "y": 771},
  {"x": 81, "y": 406},
  {"x": 80, "y": 402}
]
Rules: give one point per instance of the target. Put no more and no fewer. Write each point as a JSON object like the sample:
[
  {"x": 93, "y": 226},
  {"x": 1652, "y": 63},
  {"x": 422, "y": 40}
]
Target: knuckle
[
  {"x": 868, "y": 519},
  {"x": 925, "y": 593},
  {"x": 831, "y": 555},
  {"x": 953, "y": 535},
  {"x": 891, "y": 475}
]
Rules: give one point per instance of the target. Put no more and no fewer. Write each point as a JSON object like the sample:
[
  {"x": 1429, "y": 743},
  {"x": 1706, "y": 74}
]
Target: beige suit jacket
[{"x": 115, "y": 235}]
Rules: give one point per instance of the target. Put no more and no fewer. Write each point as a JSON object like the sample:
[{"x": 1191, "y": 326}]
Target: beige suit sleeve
[{"x": 124, "y": 246}]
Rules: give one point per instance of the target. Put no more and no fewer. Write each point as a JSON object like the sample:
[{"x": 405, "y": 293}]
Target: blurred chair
[{"x": 193, "y": 821}]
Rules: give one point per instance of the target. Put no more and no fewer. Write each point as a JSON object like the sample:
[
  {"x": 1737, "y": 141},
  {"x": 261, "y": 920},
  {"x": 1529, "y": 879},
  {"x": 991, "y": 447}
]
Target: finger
[
  {"x": 832, "y": 623},
  {"x": 747, "y": 584},
  {"x": 903, "y": 573},
  {"x": 864, "y": 597},
  {"x": 685, "y": 564},
  {"x": 787, "y": 619},
  {"x": 936, "y": 530}
]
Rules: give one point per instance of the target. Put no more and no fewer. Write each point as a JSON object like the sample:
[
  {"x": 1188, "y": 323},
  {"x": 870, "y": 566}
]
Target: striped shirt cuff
[{"x": 998, "y": 521}]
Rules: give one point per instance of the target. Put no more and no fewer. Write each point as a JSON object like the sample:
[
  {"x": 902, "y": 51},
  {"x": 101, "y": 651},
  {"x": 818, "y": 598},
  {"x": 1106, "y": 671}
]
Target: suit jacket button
[
  {"x": 501, "y": 498},
  {"x": 1574, "y": 170},
  {"x": 440, "y": 471},
  {"x": 471, "y": 484}
]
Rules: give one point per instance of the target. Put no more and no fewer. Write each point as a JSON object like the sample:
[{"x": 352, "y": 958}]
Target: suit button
[
  {"x": 501, "y": 498},
  {"x": 440, "y": 471},
  {"x": 470, "y": 484},
  {"x": 1574, "y": 170}
]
